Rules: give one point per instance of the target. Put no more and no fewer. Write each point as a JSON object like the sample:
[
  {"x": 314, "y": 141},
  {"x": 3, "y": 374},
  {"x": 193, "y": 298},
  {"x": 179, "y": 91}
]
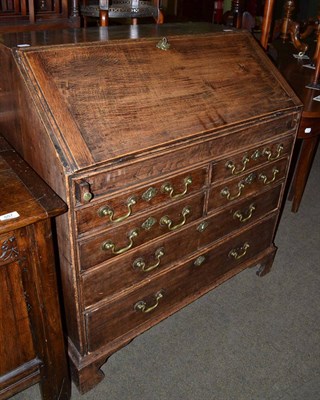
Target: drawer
[
  {"x": 143, "y": 263},
  {"x": 114, "y": 242},
  {"x": 161, "y": 296},
  {"x": 245, "y": 161},
  {"x": 89, "y": 188},
  {"x": 248, "y": 184},
  {"x": 123, "y": 207}
]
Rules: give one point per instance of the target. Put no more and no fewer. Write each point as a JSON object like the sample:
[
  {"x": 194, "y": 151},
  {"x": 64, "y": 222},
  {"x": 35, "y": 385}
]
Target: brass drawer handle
[
  {"x": 237, "y": 254},
  {"x": 267, "y": 152},
  {"x": 165, "y": 220},
  {"x": 142, "y": 305},
  {"x": 139, "y": 263},
  {"x": 108, "y": 211},
  {"x": 226, "y": 192},
  {"x": 232, "y": 166},
  {"x": 247, "y": 181},
  {"x": 163, "y": 44},
  {"x": 109, "y": 245},
  {"x": 168, "y": 188},
  {"x": 264, "y": 177},
  {"x": 199, "y": 261},
  {"x": 86, "y": 197},
  {"x": 240, "y": 216}
]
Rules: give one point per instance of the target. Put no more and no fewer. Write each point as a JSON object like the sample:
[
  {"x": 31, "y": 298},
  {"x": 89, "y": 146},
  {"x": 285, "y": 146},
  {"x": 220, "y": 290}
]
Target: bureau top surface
[{"x": 118, "y": 97}]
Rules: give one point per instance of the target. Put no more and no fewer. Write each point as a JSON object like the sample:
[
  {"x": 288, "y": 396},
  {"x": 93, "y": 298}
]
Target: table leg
[
  {"x": 55, "y": 381},
  {"x": 304, "y": 163}
]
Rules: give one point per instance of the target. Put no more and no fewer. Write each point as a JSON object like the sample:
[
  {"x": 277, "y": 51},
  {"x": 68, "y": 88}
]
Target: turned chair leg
[{"x": 104, "y": 18}]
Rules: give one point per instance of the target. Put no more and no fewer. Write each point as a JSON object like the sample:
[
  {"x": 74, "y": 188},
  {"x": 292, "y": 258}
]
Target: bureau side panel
[
  {"x": 22, "y": 124},
  {"x": 25, "y": 127}
]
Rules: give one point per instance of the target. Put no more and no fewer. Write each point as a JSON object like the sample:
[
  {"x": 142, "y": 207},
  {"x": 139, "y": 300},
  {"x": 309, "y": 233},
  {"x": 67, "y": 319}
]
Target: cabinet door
[{"x": 16, "y": 344}]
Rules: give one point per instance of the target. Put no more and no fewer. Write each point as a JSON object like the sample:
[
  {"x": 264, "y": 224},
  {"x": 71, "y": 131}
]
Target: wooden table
[
  {"x": 31, "y": 340},
  {"x": 298, "y": 77}
]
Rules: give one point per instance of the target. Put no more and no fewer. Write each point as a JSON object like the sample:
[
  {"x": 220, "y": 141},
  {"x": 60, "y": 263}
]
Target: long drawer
[
  {"x": 133, "y": 268},
  {"x": 155, "y": 299}
]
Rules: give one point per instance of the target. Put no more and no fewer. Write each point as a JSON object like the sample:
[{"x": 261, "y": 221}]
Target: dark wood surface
[
  {"x": 200, "y": 135},
  {"x": 31, "y": 338},
  {"x": 95, "y": 34}
]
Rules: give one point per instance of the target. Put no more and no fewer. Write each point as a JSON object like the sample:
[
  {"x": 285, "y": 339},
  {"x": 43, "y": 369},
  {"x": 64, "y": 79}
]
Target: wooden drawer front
[
  {"x": 124, "y": 207},
  {"x": 9, "y": 250},
  {"x": 247, "y": 160},
  {"x": 90, "y": 188},
  {"x": 143, "y": 263},
  {"x": 247, "y": 184},
  {"x": 114, "y": 242},
  {"x": 166, "y": 292}
]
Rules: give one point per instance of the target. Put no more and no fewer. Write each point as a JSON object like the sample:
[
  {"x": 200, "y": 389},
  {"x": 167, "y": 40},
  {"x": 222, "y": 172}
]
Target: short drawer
[
  {"x": 247, "y": 185},
  {"x": 114, "y": 242},
  {"x": 161, "y": 296},
  {"x": 143, "y": 263},
  {"x": 113, "y": 211},
  {"x": 245, "y": 161}
]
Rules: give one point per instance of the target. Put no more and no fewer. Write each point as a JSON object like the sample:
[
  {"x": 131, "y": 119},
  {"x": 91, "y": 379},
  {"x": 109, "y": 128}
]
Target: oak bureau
[{"x": 170, "y": 145}]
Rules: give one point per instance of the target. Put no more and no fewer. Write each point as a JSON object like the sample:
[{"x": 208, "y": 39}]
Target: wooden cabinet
[
  {"x": 172, "y": 162},
  {"x": 31, "y": 338}
]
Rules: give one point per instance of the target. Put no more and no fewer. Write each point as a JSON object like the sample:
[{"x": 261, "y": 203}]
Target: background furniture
[
  {"x": 27, "y": 15},
  {"x": 122, "y": 9},
  {"x": 31, "y": 339},
  {"x": 299, "y": 78},
  {"x": 304, "y": 81},
  {"x": 173, "y": 167}
]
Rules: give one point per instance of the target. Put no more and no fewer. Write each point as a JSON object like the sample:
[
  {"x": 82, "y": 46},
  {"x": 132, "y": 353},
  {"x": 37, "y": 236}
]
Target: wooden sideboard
[
  {"x": 172, "y": 155},
  {"x": 31, "y": 339}
]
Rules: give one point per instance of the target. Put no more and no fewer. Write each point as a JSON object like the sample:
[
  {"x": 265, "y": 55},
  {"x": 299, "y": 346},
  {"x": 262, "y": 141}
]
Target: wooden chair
[{"x": 132, "y": 9}]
